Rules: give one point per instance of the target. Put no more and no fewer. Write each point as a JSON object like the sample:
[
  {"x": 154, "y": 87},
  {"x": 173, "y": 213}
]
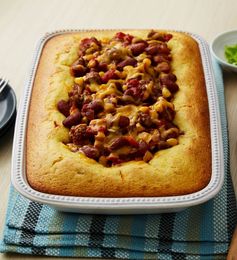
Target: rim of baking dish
[{"x": 18, "y": 176}]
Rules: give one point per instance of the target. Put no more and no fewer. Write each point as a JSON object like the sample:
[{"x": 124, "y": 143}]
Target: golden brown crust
[{"x": 52, "y": 168}]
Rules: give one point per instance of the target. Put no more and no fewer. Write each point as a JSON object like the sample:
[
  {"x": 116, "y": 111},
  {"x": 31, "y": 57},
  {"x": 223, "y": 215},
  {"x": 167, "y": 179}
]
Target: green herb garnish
[{"x": 231, "y": 54}]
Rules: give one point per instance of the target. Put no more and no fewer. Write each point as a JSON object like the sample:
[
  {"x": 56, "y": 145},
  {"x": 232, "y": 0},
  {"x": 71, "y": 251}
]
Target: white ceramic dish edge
[{"x": 136, "y": 205}]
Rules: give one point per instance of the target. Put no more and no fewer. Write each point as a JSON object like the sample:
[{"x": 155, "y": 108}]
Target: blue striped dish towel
[{"x": 201, "y": 232}]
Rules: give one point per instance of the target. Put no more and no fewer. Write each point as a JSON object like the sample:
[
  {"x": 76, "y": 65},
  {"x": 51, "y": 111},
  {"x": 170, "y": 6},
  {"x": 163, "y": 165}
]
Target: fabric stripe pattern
[{"x": 30, "y": 221}]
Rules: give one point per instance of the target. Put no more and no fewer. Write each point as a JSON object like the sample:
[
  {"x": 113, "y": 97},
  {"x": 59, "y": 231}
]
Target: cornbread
[{"x": 119, "y": 114}]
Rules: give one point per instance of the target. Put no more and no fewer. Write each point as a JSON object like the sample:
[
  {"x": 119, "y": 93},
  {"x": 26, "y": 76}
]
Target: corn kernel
[
  {"x": 144, "y": 109},
  {"x": 109, "y": 107},
  {"x": 145, "y": 136},
  {"x": 79, "y": 81},
  {"x": 103, "y": 160},
  {"x": 172, "y": 141},
  {"x": 150, "y": 87},
  {"x": 101, "y": 73},
  {"x": 112, "y": 66},
  {"x": 158, "y": 107},
  {"x": 147, "y": 62},
  {"x": 153, "y": 115},
  {"x": 124, "y": 87},
  {"x": 100, "y": 136},
  {"x": 141, "y": 57},
  {"x": 89, "y": 56},
  {"x": 146, "y": 94},
  {"x": 147, "y": 157},
  {"x": 139, "y": 127},
  {"x": 123, "y": 75},
  {"x": 91, "y": 63},
  {"x": 165, "y": 92},
  {"x": 128, "y": 68},
  {"x": 113, "y": 100},
  {"x": 98, "y": 144}
]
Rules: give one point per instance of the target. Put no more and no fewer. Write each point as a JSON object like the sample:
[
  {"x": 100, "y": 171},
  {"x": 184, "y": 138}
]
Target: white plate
[
  {"x": 135, "y": 205},
  {"x": 7, "y": 109}
]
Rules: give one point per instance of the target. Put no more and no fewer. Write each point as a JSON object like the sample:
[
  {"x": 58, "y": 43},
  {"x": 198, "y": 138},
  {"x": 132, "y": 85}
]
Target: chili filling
[{"x": 120, "y": 107}]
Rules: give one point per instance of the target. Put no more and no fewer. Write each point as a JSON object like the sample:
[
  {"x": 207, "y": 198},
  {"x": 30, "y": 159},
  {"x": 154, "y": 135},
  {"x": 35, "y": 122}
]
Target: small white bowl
[{"x": 218, "y": 48}]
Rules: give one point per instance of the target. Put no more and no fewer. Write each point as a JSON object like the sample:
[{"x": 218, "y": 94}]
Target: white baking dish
[{"x": 136, "y": 205}]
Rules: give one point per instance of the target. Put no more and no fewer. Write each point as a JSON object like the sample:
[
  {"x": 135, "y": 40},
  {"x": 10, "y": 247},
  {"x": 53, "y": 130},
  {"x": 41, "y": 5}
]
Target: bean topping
[
  {"x": 124, "y": 121},
  {"x": 64, "y": 107},
  {"x": 138, "y": 48},
  {"x": 72, "y": 119},
  {"x": 120, "y": 107},
  {"x": 90, "y": 151},
  {"x": 128, "y": 61}
]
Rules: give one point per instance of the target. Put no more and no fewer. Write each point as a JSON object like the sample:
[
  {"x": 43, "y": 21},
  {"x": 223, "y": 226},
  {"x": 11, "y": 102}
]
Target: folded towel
[{"x": 199, "y": 232}]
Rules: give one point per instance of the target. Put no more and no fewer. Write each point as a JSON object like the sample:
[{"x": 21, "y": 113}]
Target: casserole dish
[{"x": 121, "y": 205}]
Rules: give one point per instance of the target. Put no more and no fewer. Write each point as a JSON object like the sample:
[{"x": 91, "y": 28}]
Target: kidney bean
[
  {"x": 124, "y": 121},
  {"x": 163, "y": 48},
  {"x": 78, "y": 70},
  {"x": 119, "y": 142},
  {"x": 110, "y": 74},
  {"x": 92, "y": 77},
  {"x": 172, "y": 86},
  {"x": 138, "y": 48},
  {"x": 159, "y": 48},
  {"x": 72, "y": 119},
  {"x": 80, "y": 61},
  {"x": 90, "y": 114},
  {"x": 168, "y": 80},
  {"x": 163, "y": 67},
  {"x": 172, "y": 135},
  {"x": 139, "y": 152},
  {"x": 126, "y": 62},
  {"x": 152, "y": 49},
  {"x": 172, "y": 77},
  {"x": 160, "y": 58},
  {"x": 85, "y": 107},
  {"x": 165, "y": 78},
  {"x": 64, "y": 107},
  {"x": 90, "y": 151},
  {"x": 96, "y": 105},
  {"x": 162, "y": 145},
  {"x": 102, "y": 66}
]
